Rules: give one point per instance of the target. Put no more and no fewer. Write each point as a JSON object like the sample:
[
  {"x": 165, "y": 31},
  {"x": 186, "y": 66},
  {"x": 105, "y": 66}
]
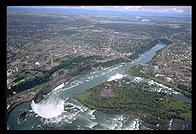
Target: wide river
[{"x": 59, "y": 111}]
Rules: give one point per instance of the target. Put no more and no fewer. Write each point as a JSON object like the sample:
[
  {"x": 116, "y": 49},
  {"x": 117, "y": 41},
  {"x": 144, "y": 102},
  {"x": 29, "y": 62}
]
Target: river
[{"x": 59, "y": 111}]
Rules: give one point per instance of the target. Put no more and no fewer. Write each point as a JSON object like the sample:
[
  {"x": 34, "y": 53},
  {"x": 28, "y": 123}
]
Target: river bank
[
  {"x": 79, "y": 85},
  {"x": 39, "y": 91},
  {"x": 74, "y": 71}
]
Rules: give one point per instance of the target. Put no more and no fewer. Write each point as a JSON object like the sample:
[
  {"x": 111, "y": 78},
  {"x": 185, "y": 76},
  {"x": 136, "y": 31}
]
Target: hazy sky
[{"x": 174, "y": 9}]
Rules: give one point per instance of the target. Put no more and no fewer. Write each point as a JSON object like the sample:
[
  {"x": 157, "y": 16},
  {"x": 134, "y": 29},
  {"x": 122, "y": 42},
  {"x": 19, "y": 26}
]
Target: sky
[
  {"x": 175, "y": 9},
  {"x": 172, "y": 9},
  {"x": 160, "y": 9}
]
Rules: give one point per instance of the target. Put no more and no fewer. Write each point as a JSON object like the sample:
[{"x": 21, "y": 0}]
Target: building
[
  {"x": 10, "y": 72},
  {"x": 159, "y": 75},
  {"x": 169, "y": 79},
  {"x": 16, "y": 69},
  {"x": 156, "y": 68},
  {"x": 37, "y": 64}
]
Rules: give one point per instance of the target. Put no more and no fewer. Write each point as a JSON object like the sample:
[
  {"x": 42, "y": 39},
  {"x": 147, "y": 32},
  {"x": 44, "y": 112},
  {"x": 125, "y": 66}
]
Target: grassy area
[{"x": 62, "y": 59}]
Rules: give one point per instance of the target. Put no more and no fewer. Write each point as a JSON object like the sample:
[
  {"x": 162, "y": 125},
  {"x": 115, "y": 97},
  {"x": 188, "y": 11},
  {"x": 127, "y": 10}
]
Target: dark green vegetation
[
  {"x": 152, "y": 107},
  {"x": 143, "y": 49},
  {"x": 165, "y": 41},
  {"x": 110, "y": 63}
]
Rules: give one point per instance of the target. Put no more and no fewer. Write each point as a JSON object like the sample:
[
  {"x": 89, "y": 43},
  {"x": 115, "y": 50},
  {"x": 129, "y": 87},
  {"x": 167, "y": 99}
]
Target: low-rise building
[{"x": 169, "y": 79}]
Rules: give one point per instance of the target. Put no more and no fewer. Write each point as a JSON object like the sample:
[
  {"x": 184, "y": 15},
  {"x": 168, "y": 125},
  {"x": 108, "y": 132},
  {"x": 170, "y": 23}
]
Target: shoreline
[{"x": 59, "y": 80}]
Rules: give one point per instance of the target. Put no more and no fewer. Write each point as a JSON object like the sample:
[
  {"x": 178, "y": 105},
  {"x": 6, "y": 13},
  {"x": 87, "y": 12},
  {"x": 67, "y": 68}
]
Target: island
[
  {"x": 126, "y": 97},
  {"x": 22, "y": 117}
]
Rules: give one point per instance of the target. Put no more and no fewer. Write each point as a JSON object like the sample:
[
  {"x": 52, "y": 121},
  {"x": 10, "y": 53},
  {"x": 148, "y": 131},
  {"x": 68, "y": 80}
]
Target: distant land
[{"x": 76, "y": 9}]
